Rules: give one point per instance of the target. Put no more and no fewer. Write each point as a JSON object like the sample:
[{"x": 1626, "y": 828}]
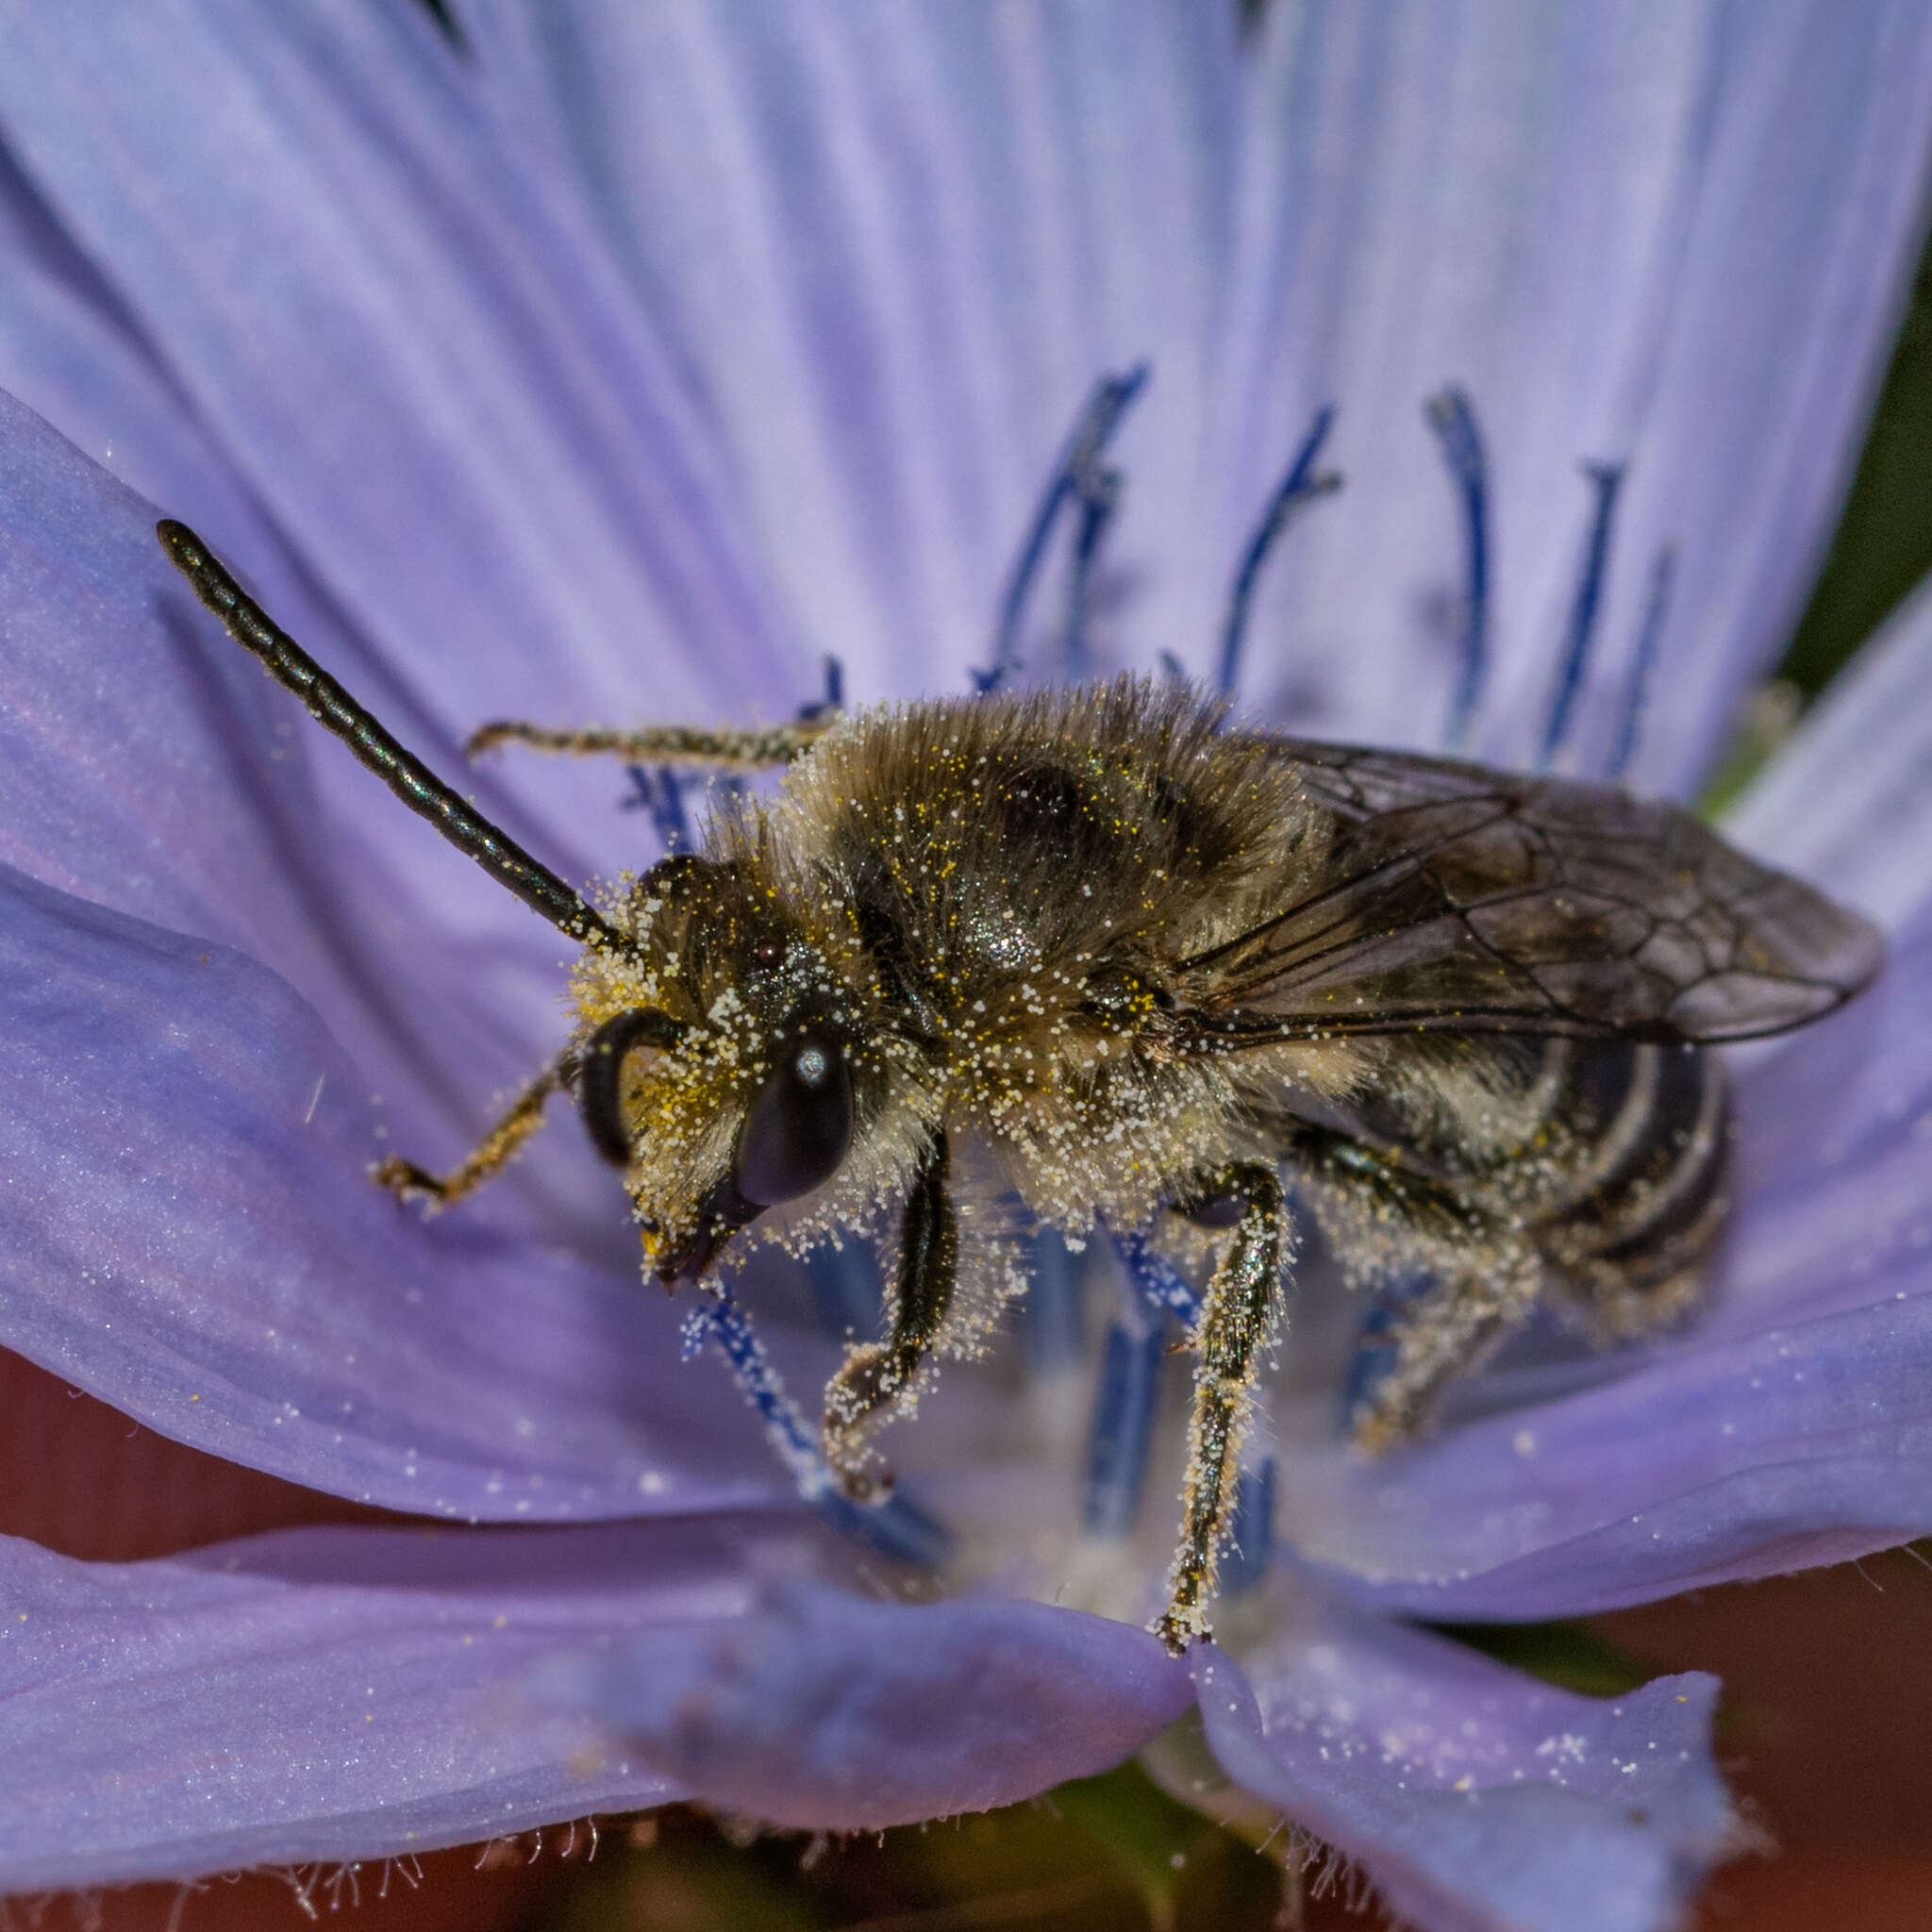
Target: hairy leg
[
  {"x": 525, "y": 1115},
  {"x": 1447, "y": 1332},
  {"x": 1237, "y": 1321},
  {"x": 688, "y": 748},
  {"x": 876, "y": 1374}
]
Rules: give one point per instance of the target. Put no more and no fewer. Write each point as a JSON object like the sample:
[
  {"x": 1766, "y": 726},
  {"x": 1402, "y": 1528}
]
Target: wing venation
[{"x": 1452, "y": 898}]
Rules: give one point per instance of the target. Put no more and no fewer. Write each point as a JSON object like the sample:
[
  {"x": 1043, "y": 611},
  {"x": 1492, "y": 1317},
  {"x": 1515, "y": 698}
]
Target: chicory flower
[{"x": 619, "y": 363}]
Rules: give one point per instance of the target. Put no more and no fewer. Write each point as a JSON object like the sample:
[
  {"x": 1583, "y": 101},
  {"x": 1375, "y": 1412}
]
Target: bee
[{"x": 1135, "y": 961}]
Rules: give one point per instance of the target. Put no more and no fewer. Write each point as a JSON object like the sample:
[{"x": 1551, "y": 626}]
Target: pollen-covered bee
[{"x": 1126, "y": 960}]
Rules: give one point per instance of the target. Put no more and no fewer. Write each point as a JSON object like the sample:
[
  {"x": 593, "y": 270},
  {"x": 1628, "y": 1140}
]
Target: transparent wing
[{"x": 1458, "y": 899}]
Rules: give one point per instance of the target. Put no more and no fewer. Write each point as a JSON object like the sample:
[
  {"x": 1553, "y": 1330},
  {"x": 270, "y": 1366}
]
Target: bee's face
[{"x": 716, "y": 1064}]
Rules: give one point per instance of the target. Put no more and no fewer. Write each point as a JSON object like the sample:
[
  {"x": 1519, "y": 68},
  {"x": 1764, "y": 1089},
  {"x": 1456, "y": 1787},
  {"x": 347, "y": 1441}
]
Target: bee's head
[{"x": 715, "y": 1059}]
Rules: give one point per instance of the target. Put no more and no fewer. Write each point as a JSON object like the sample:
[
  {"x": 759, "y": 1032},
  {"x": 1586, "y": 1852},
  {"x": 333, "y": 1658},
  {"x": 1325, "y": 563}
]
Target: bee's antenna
[{"x": 405, "y": 774}]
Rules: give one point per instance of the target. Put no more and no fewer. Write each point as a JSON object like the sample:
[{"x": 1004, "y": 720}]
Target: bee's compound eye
[{"x": 800, "y": 1126}]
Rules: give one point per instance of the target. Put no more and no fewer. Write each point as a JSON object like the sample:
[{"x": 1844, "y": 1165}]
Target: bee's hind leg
[
  {"x": 1447, "y": 1331},
  {"x": 875, "y": 1375},
  {"x": 682, "y": 747},
  {"x": 1238, "y": 1319},
  {"x": 525, "y": 1115}
]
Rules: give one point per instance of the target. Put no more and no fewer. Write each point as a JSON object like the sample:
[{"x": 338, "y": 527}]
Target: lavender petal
[
  {"x": 820, "y": 1711},
  {"x": 1475, "y": 1799},
  {"x": 321, "y": 1694},
  {"x": 1676, "y": 238}
]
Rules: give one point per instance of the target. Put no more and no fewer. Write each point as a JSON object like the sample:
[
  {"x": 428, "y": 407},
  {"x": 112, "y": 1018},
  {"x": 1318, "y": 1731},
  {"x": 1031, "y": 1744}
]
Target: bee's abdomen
[{"x": 1645, "y": 1192}]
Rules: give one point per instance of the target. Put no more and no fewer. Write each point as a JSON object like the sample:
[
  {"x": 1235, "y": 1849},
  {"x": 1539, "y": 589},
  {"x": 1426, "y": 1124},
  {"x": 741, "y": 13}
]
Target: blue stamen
[
  {"x": 1054, "y": 1330},
  {"x": 1453, "y": 418},
  {"x": 1159, "y": 1282},
  {"x": 1172, "y": 669},
  {"x": 1099, "y": 497},
  {"x": 657, "y": 793},
  {"x": 834, "y": 699},
  {"x": 1122, "y": 1426},
  {"x": 1078, "y": 473},
  {"x": 1662, "y": 574},
  {"x": 1301, "y": 486},
  {"x": 1606, "y": 479},
  {"x": 847, "y": 1291},
  {"x": 1130, "y": 1386},
  {"x": 1374, "y": 1356},
  {"x": 1375, "y": 1340},
  {"x": 896, "y": 1527},
  {"x": 1251, "y": 1535}
]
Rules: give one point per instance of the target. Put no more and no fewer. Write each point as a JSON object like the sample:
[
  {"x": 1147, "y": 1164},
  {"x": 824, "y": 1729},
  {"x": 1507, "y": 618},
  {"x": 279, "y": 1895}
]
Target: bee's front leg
[
  {"x": 1238, "y": 1319},
  {"x": 875, "y": 1375},
  {"x": 525, "y": 1115}
]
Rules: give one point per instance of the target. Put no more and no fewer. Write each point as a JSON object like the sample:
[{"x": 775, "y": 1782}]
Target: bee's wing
[{"x": 1452, "y": 898}]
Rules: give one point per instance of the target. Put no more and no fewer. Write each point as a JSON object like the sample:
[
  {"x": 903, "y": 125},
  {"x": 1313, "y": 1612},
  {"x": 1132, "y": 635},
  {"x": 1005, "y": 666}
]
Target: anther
[
  {"x": 1053, "y": 1331},
  {"x": 1649, "y": 635},
  {"x": 896, "y": 1527},
  {"x": 1300, "y": 486},
  {"x": 1079, "y": 475},
  {"x": 1606, "y": 479},
  {"x": 1123, "y": 1426},
  {"x": 1451, "y": 417},
  {"x": 658, "y": 791}
]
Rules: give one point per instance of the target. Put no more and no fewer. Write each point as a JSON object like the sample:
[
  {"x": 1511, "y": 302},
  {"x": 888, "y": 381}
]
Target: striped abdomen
[{"x": 1640, "y": 1198}]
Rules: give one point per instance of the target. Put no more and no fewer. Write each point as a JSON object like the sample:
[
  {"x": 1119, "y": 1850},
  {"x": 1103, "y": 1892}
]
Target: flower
[{"x": 617, "y": 362}]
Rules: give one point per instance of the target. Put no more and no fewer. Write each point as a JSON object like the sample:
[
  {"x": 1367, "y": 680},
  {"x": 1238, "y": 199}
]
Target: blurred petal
[
  {"x": 1835, "y": 1186},
  {"x": 403, "y": 340},
  {"x": 1676, "y": 236},
  {"x": 1476, "y": 1799},
  {"x": 193, "y": 1239},
  {"x": 378, "y": 372},
  {"x": 901, "y": 246},
  {"x": 138, "y": 763},
  {"x": 1847, "y": 802},
  {"x": 147, "y": 764},
  {"x": 822, "y": 1711},
  {"x": 321, "y": 1694}
]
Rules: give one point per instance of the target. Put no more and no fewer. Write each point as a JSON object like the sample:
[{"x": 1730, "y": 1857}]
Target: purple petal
[
  {"x": 138, "y": 760},
  {"x": 1475, "y": 1799},
  {"x": 1846, "y": 801},
  {"x": 406, "y": 342},
  {"x": 820, "y": 1711},
  {"x": 902, "y": 245},
  {"x": 539, "y": 486},
  {"x": 146, "y": 765},
  {"x": 1676, "y": 238},
  {"x": 194, "y": 1240},
  {"x": 321, "y": 1694}
]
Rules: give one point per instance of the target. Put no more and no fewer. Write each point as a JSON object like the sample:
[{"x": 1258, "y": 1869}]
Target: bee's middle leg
[
  {"x": 875, "y": 1375},
  {"x": 523, "y": 1116},
  {"x": 1237, "y": 1322},
  {"x": 686, "y": 747}
]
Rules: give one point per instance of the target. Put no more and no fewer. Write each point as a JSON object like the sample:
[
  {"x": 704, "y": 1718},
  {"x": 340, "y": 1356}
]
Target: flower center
[{"x": 1157, "y": 1305}]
